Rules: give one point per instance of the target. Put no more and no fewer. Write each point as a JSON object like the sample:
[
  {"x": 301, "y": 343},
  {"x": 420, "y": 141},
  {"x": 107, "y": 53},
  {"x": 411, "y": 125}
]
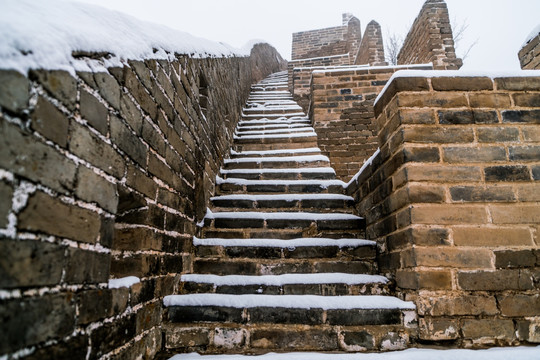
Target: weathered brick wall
[
  {"x": 529, "y": 55},
  {"x": 430, "y": 39},
  {"x": 453, "y": 202},
  {"x": 371, "y": 49},
  {"x": 341, "y": 108},
  {"x": 301, "y": 80},
  {"x": 335, "y": 40},
  {"x": 104, "y": 175}
]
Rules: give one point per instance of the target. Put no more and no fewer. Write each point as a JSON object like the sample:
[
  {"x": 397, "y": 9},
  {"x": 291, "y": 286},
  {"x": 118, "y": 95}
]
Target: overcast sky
[{"x": 499, "y": 27}]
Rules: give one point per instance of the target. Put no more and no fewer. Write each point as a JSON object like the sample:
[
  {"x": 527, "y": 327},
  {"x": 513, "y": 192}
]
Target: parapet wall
[
  {"x": 331, "y": 41},
  {"x": 430, "y": 39},
  {"x": 341, "y": 108},
  {"x": 104, "y": 175},
  {"x": 371, "y": 49},
  {"x": 529, "y": 55},
  {"x": 452, "y": 200}
]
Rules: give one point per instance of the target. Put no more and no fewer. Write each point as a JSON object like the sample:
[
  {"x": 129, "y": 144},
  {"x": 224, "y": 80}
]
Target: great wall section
[{"x": 245, "y": 204}]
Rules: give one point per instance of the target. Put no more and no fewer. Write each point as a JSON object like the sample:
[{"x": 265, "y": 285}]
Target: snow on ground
[
  {"x": 123, "y": 282},
  {"x": 515, "y": 353},
  {"x": 277, "y": 136},
  {"x": 290, "y": 244},
  {"x": 289, "y": 301},
  {"x": 280, "y": 280},
  {"x": 43, "y": 34},
  {"x": 242, "y": 131}
]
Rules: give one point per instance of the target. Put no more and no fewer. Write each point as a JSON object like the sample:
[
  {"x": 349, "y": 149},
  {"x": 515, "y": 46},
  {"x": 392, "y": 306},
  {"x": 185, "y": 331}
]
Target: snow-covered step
[
  {"x": 284, "y": 220},
  {"x": 280, "y": 120},
  {"x": 287, "y": 309},
  {"x": 271, "y": 162},
  {"x": 285, "y": 202},
  {"x": 263, "y": 256},
  {"x": 324, "y": 284},
  {"x": 302, "y": 173},
  {"x": 271, "y": 115},
  {"x": 236, "y": 185},
  {"x": 275, "y": 129},
  {"x": 244, "y": 128},
  {"x": 278, "y": 152}
]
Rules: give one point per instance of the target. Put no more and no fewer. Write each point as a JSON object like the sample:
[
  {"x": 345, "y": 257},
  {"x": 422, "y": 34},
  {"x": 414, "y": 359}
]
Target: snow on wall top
[
  {"x": 44, "y": 34},
  {"x": 534, "y": 33}
]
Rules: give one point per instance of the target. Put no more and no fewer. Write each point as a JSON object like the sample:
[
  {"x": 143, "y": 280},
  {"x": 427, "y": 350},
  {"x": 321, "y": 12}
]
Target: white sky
[{"x": 499, "y": 26}]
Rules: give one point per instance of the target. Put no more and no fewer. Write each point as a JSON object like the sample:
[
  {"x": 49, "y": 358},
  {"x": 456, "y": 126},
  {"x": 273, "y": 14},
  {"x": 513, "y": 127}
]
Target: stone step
[
  {"x": 272, "y": 115},
  {"x": 265, "y": 256},
  {"x": 295, "y": 126},
  {"x": 284, "y": 202},
  {"x": 283, "y": 220},
  {"x": 315, "y": 310},
  {"x": 235, "y": 185},
  {"x": 317, "y": 173},
  {"x": 278, "y": 162},
  {"x": 218, "y": 338},
  {"x": 254, "y": 233},
  {"x": 280, "y": 120},
  {"x": 272, "y": 109},
  {"x": 273, "y": 143},
  {"x": 278, "y": 152},
  {"x": 262, "y": 130},
  {"x": 324, "y": 284}
]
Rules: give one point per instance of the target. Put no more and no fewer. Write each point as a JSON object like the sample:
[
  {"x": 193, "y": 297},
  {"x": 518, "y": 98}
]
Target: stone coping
[{"x": 454, "y": 80}]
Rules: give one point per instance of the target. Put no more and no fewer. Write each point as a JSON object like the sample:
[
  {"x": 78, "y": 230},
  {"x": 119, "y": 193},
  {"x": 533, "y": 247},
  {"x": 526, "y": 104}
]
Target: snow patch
[
  {"x": 289, "y": 301},
  {"x": 280, "y": 280},
  {"x": 521, "y": 353},
  {"x": 44, "y": 34},
  {"x": 456, "y": 73},
  {"x": 127, "y": 281},
  {"x": 279, "y": 151},
  {"x": 286, "y": 197},
  {"x": 534, "y": 33},
  {"x": 321, "y": 183},
  {"x": 281, "y": 215},
  {"x": 326, "y": 170},
  {"x": 258, "y": 160},
  {"x": 367, "y": 163},
  {"x": 278, "y": 243}
]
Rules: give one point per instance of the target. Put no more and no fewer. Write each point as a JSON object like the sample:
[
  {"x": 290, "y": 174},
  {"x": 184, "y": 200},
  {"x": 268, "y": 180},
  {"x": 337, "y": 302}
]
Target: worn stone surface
[
  {"x": 51, "y": 122},
  {"x": 14, "y": 90},
  {"x": 51, "y": 216},
  {"x": 30, "y": 263}
]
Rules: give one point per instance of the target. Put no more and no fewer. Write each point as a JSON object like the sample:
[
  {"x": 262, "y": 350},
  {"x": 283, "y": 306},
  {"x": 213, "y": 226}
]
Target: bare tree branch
[
  {"x": 392, "y": 46},
  {"x": 459, "y": 30}
]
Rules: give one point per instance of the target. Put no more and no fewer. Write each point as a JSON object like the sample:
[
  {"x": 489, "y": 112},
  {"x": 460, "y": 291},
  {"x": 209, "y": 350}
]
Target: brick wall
[
  {"x": 341, "y": 108},
  {"x": 335, "y": 40},
  {"x": 430, "y": 39},
  {"x": 104, "y": 175},
  {"x": 371, "y": 49},
  {"x": 299, "y": 80},
  {"x": 453, "y": 202},
  {"x": 529, "y": 55}
]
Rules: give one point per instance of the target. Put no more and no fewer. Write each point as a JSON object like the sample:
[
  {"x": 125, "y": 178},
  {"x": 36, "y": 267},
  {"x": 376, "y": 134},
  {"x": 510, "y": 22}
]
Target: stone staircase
[{"x": 280, "y": 264}]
